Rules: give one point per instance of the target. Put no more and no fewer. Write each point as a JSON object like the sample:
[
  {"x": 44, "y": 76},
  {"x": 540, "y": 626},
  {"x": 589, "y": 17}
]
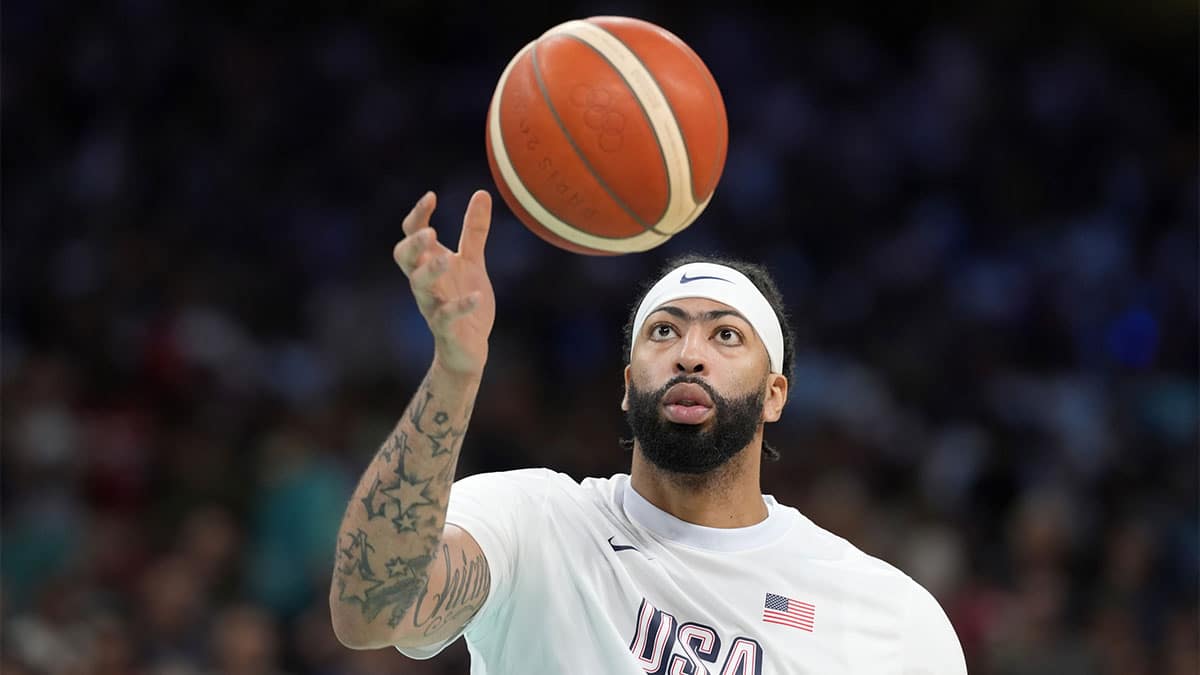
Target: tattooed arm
[{"x": 402, "y": 576}]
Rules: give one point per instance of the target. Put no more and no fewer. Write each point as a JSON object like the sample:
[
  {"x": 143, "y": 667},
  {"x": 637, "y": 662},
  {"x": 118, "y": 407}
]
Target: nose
[{"x": 691, "y": 356}]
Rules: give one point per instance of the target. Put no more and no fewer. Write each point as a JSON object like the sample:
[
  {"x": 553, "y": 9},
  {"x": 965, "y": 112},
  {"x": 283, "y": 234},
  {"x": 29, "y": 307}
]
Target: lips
[
  {"x": 686, "y": 393},
  {"x": 687, "y": 403}
]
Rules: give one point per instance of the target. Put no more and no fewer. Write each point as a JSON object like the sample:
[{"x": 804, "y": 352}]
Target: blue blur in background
[{"x": 983, "y": 219}]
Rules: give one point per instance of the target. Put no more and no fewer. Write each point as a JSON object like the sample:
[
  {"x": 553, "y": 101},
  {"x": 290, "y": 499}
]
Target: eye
[
  {"x": 729, "y": 336},
  {"x": 661, "y": 331}
]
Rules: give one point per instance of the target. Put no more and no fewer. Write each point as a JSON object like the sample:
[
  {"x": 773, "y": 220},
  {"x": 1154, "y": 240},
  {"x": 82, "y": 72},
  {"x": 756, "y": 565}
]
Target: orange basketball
[{"x": 606, "y": 135}]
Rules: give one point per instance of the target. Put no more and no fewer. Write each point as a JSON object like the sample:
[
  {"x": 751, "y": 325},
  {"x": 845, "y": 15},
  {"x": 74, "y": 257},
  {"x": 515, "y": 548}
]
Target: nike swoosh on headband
[{"x": 685, "y": 279}]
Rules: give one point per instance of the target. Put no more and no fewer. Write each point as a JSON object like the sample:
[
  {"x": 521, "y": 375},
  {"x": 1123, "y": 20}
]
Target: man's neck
[{"x": 728, "y": 496}]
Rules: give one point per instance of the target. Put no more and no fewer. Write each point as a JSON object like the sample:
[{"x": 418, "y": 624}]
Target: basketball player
[{"x": 681, "y": 567}]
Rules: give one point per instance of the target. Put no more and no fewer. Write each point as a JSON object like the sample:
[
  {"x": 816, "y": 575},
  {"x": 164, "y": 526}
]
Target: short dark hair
[{"x": 759, "y": 276}]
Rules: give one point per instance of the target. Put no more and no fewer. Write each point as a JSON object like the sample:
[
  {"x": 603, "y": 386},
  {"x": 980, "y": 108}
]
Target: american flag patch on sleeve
[{"x": 788, "y": 612}]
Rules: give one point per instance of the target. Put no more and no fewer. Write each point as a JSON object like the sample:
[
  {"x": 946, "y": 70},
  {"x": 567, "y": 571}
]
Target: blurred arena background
[{"x": 984, "y": 219}]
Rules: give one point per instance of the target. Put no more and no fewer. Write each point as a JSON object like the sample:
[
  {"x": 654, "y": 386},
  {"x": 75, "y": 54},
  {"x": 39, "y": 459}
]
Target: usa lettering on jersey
[{"x": 663, "y": 646}]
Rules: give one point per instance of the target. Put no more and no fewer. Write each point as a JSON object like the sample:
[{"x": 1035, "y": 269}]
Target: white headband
[{"x": 723, "y": 284}]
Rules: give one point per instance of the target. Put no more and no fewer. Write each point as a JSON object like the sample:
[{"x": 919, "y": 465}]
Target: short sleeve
[
  {"x": 931, "y": 646},
  {"x": 494, "y": 508}
]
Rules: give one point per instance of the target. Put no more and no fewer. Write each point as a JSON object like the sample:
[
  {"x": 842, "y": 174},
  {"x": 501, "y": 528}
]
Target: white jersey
[{"x": 592, "y": 578}]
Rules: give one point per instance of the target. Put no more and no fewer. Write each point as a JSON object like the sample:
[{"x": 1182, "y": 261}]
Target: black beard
[{"x": 689, "y": 448}]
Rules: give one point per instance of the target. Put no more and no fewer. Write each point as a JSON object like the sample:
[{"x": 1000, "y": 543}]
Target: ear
[
  {"x": 625, "y": 398},
  {"x": 776, "y": 398}
]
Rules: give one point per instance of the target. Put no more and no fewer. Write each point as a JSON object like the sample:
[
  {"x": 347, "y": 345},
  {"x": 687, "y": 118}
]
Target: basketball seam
[
  {"x": 686, "y": 153},
  {"x": 537, "y": 76}
]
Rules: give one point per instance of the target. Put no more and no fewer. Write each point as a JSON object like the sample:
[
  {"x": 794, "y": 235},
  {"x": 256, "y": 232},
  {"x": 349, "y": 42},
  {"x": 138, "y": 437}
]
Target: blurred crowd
[{"x": 985, "y": 227}]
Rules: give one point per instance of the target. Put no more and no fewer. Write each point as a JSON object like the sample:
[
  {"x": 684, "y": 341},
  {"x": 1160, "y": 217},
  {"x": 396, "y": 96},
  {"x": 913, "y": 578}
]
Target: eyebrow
[{"x": 711, "y": 315}]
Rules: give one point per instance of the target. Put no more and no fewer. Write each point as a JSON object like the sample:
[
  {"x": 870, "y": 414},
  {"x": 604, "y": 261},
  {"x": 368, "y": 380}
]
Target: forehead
[
  {"x": 702, "y": 310},
  {"x": 698, "y": 307}
]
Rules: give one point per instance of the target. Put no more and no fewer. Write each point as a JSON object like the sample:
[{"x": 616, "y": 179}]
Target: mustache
[{"x": 689, "y": 379}]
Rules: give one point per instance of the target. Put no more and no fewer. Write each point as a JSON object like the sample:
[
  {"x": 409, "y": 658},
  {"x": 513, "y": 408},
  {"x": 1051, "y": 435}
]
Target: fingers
[
  {"x": 418, "y": 218},
  {"x": 420, "y": 239},
  {"x": 450, "y": 311},
  {"x": 476, "y": 224},
  {"x": 414, "y": 250}
]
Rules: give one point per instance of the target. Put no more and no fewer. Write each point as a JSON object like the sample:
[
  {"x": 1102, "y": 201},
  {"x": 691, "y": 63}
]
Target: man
[{"x": 681, "y": 567}]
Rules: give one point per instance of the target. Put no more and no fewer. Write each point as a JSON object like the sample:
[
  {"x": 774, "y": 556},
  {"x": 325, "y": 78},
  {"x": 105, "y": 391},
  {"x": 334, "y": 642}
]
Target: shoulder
[
  {"x": 823, "y": 546},
  {"x": 533, "y": 483},
  {"x": 930, "y": 642},
  {"x": 531, "y": 478},
  {"x": 852, "y": 565}
]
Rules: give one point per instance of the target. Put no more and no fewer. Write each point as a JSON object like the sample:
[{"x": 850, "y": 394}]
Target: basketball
[{"x": 606, "y": 135}]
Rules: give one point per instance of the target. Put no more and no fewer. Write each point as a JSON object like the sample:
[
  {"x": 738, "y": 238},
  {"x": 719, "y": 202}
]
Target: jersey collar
[{"x": 668, "y": 527}]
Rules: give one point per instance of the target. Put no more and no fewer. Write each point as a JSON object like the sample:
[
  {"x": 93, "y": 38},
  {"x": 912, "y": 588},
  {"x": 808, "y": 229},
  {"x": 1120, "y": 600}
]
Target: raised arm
[{"x": 402, "y": 576}]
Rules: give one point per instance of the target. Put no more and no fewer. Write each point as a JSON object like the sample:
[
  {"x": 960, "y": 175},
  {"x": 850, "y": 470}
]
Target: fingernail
[{"x": 424, "y": 200}]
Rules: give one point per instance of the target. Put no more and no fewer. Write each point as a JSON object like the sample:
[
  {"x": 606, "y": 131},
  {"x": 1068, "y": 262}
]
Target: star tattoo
[
  {"x": 408, "y": 494},
  {"x": 435, "y": 441},
  {"x": 398, "y": 567},
  {"x": 355, "y": 587},
  {"x": 405, "y": 522}
]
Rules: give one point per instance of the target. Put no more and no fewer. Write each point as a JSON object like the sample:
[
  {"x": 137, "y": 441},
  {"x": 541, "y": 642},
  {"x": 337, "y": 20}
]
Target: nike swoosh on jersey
[{"x": 619, "y": 547}]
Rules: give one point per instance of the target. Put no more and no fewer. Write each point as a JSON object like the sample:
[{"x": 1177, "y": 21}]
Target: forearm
[{"x": 393, "y": 525}]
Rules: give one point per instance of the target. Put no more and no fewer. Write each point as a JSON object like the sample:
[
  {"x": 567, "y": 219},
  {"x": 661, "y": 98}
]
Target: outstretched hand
[{"x": 451, "y": 288}]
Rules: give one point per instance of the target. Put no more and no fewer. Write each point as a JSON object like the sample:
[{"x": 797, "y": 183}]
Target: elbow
[
  {"x": 350, "y": 631},
  {"x": 343, "y": 631}
]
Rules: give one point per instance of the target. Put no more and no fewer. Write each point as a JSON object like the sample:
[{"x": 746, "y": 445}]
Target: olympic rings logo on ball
[{"x": 607, "y": 123}]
